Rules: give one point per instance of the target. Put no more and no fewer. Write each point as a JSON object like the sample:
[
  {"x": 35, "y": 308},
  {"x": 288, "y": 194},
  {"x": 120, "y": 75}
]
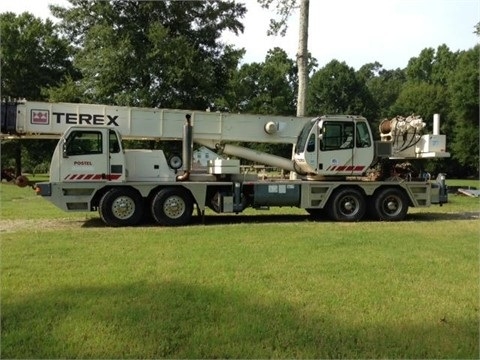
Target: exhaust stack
[
  {"x": 187, "y": 149},
  {"x": 436, "y": 124}
]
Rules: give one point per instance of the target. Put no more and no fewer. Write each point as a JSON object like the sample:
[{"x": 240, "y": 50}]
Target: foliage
[
  {"x": 263, "y": 88},
  {"x": 384, "y": 86},
  {"x": 464, "y": 95},
  {"x": 336, "y": 89},
  {"x": 421, "y": 98},
  {"x": 179, "y": 59},
  {"x": 434, "y": 84},
  {"x": 284, "y": 9},
  {"x": 34, "y": 56}
]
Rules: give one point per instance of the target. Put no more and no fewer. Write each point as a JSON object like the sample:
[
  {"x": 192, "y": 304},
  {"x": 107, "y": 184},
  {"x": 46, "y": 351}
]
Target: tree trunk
[
  {"x": 18, "y": 158},
  {"x": 302, "y": 58}
]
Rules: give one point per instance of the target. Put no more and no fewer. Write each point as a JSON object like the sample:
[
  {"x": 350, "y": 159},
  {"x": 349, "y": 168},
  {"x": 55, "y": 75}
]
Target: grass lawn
[{"x": 271, "y": 286}]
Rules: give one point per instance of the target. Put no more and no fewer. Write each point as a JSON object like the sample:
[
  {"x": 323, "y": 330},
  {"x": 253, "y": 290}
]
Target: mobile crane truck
[{"x": 340, "y": 170}]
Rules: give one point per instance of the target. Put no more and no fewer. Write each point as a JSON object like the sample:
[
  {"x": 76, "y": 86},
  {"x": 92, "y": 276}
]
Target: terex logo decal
[
  {"x": 88, "y": 119},
  {"x": 40, "y": 117}
]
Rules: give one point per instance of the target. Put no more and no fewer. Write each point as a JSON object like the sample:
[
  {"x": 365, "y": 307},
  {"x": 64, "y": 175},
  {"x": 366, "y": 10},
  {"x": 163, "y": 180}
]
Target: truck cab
[
  {"x": 334, "y": 146},
  {"x": 87, "y": 154}
]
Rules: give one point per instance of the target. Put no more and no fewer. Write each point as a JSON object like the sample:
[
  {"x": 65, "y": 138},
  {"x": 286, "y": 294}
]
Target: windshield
[{"x": 303, "y": 137}]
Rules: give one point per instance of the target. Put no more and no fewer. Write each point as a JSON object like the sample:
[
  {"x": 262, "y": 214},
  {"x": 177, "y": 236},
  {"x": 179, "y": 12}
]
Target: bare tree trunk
[
  {"x": 18, "y": 158},
  {"x": 302, "y": 58}
]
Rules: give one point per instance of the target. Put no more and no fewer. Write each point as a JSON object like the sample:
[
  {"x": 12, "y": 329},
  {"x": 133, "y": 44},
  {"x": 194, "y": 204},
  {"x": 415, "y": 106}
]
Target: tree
[
  {"x": 302, "y": 59},
  {"x": 284, "y": 9},
  {"x": 263, "y": 88},
  {"x": 384, "y": 87},
  {"x": 463, "y": 90},
  {"x": 152, "y": 53},
  {"x": 34, "y": 58},
  {"x": 335, "y": 89},
  {"x": 422, "y": 99}
]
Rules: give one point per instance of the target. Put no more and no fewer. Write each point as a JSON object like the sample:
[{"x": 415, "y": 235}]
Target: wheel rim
[
  {"x": 174, "y": 207},
  {"x": 349, "y": 205},
  {"x": 123, "y": 207},
  {"x": 392, "y": 205}
]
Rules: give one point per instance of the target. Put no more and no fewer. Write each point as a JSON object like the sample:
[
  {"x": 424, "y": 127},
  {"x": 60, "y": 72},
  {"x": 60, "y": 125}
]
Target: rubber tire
[
  {"x": 172, "y": 207},
  {"x": 393, "y": 198},
  {"x": 342, "y": 199},
  {"x": 121, "y": 207},
  {"x": 316, "y": 214}
]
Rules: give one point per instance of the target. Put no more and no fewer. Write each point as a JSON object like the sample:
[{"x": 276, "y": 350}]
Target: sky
[{"x": 357, "y": 32}]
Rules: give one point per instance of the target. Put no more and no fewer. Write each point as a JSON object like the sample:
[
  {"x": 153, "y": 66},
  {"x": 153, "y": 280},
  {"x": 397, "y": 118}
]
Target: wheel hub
[
  {"x": 349, "y": 206},
  {"x": 174, "y": 207},
  {"x": 123, "y": 207},
  {"x": 392, "y": 205}
]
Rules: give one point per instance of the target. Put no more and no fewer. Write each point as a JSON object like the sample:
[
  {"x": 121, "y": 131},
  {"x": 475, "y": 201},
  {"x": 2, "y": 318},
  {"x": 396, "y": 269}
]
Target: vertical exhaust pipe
[{"x": 187, "y": 149}]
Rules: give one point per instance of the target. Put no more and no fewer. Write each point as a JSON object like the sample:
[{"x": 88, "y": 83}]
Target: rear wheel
[
  {"x": 172, "y": 207},
  {"x": 316, "y": 214},
  {"x": 347, "y": 205},
  {"x": 121, "y": 207},
  {"x": 390, "y": 205}
]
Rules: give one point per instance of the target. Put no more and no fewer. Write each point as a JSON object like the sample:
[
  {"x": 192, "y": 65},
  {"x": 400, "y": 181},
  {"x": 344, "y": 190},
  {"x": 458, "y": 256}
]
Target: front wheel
[
  {"x": 121, "y": 207},
  {"x": 390, "y": 205},
  {"x": 172, "y": 207},
  {"x": 347, "y": 205}
]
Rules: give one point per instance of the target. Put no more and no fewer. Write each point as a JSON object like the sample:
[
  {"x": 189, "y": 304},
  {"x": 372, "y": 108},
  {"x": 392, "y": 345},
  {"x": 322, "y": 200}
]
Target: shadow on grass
[
  {"x": 221, "y": 219},
  {"x": 275, "y": 218},
  {"x": 429, "y": 216},
  {"x": 175, "y": 320}
]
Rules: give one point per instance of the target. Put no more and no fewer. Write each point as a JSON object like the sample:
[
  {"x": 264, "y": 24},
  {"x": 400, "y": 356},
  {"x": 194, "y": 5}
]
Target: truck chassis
[{"x": 173, "y": 203}]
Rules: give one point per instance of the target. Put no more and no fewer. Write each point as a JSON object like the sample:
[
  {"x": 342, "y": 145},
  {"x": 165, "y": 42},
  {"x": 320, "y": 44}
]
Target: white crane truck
[{"x": 340, "y": 170}]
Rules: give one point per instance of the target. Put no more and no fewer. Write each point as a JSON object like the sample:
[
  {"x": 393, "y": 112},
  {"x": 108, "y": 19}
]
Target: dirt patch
[{"x": 9, "y": 226}]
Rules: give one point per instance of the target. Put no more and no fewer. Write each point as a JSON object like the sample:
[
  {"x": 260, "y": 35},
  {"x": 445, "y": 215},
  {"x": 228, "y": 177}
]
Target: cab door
[
  {"x": 337, "y": 145},
  {"x": 85, "y": 155},
  {"x": 364, "y": 149},
  {"x": 346, "y": 148},
  {"x": 116, "y": 157}
]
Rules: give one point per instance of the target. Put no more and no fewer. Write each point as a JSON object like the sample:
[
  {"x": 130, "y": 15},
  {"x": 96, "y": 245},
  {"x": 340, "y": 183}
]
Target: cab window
[
  {"x": 337, "y": 135},
  {"x": 84, "y": 143},
  {"x": 113, "y": 142},
  {"x": 363, "y": 135}
]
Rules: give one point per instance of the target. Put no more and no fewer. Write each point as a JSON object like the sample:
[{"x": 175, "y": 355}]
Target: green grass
[{"x": 276, "y": 286}]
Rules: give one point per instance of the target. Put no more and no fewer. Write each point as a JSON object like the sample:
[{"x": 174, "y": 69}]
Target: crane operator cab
[{"x": 334, "y": 146}]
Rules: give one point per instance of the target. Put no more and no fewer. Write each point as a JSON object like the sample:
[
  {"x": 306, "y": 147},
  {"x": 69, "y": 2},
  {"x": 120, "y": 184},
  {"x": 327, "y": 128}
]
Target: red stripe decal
[
  {"x": 91, "y": 177},
  {"x": 113, "y": 176}
]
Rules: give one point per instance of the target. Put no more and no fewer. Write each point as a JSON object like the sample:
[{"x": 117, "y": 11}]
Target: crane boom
[{"x": 51, "y": 120}]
